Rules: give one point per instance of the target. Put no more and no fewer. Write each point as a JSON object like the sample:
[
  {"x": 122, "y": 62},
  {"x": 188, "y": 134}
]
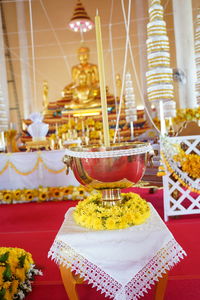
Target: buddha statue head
[{"x": 83, "y": 55}]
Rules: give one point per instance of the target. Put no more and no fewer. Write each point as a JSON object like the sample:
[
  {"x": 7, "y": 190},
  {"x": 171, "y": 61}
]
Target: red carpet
[{"x": 33, "y": 226}]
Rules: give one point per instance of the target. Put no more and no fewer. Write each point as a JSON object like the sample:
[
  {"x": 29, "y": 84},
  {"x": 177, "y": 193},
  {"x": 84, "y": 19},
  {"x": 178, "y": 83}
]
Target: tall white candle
[{"x": 162, "y": 119}]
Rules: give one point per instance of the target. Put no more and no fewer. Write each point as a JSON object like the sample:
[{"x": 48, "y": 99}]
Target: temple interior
[
  {"x": 43, "y": 51},
  {"x": 99, "y": 149}
]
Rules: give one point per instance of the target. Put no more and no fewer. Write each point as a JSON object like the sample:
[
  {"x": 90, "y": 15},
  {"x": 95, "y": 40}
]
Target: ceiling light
[{"x": 80, "y": 20}]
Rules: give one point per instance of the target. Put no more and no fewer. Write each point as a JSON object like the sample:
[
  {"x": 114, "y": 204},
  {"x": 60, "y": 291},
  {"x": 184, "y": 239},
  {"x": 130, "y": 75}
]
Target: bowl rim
[{"x": 117, "y": 150}]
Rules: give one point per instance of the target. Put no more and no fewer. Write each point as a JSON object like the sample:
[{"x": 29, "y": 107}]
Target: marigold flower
[
  {"x": 91, "y": 214},
  {"x": 17, "y": 262}
]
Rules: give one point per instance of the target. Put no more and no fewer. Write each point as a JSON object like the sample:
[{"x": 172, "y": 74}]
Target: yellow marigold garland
[
  {"x": 91, "y": 214},
  {"x": 187, "y": 114},
  {"x": 161, "y": 170},
  {"x": 190, "y": 163},
  {"x": 183, "y": 115},
  {"x": 16, "y": 271},
  {"x": 42, "y": 194},
  {"x": 176, "y": 176}
]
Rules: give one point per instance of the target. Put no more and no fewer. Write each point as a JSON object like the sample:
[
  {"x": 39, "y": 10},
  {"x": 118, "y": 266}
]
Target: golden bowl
[{"x": 108, "y": 169}]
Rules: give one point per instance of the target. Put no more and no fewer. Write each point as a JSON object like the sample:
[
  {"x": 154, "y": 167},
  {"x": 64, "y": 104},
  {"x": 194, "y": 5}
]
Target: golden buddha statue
[
  {"x": 84, "y": 89},
  {"x": 83, "y": 95}
]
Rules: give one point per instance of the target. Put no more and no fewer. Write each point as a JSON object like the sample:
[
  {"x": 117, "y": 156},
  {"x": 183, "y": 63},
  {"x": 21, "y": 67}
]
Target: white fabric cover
[
  {"x": 38, "y": 130},
  {"x": 25, "y": 162},
  {"x": 121, "y": 263}
]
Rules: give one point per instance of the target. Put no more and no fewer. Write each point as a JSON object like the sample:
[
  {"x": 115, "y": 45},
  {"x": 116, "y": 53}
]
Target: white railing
[{"x": 178, "y": 200}]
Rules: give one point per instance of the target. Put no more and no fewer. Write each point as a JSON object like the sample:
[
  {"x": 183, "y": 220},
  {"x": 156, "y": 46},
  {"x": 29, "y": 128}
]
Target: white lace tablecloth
[{"x": 124, "y": 263}]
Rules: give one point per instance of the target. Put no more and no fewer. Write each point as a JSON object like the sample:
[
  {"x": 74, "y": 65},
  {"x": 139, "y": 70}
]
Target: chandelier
[{"x": 80, "y": 21}]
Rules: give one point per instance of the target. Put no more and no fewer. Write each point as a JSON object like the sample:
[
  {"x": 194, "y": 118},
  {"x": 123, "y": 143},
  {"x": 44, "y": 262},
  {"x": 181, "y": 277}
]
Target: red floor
[{"x": 33, "y": 226}]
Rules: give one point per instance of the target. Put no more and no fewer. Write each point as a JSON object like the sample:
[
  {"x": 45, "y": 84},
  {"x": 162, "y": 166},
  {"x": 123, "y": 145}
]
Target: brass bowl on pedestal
[{"x": 108, "y": 169}]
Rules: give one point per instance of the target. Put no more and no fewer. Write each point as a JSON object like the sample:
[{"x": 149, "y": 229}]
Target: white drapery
[{"x": 34, "y": 169}]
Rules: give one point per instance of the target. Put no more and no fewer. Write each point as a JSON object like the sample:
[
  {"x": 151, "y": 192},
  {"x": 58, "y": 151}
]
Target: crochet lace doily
[
  {"x": 111, "y": 153},
  {"x": 164, "y": 260}
]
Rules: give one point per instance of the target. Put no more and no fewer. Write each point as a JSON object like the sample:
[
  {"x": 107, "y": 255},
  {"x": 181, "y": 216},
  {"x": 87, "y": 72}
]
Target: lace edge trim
[
  {"x": 67, "y": 256},
  {"x": 162, "y": 262},
  {"x": 113, "y": 153}
]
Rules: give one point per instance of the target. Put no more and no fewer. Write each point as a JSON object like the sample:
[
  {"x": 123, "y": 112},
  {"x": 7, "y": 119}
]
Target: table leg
[
  {"x": 70, "y": 281},
  {"x": 161, "y": 287}
]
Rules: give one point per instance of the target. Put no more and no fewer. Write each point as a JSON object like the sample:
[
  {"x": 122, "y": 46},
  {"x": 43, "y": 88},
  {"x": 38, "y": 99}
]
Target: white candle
[{"x": 162, "y": 119}]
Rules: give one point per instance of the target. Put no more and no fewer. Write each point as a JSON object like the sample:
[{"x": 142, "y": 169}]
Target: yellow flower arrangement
[
  {"x": 79, "y": 126},
  {"x": 112, "y": 133},
  {"x": 90, "y": 122},
  {"x": 91, "y": 214},
  {"x": 187, "y": 114},
  {"x": 189, "y": 163},
  {"x": 62, "y": 129},
  {"x": 175, "y": 175},
  {"x": 182, "y": 115},
  {"x": 98, "y": 125},
  {"x": 44, "y": 194},
  {"x": 52, "y": 136},
  {"x": 94, "y": 134},
  {"x": 16, "y": 271}
]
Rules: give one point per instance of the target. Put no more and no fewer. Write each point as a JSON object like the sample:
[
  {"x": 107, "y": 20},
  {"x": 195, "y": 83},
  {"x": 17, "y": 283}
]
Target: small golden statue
[
  {"x": 118, "y": 84},
  {"x": 45, "y": 97},
  {"x": 119, "y": 88},
  {"x": 11, "y": 139},
  {"x": 84, "y": 89}
]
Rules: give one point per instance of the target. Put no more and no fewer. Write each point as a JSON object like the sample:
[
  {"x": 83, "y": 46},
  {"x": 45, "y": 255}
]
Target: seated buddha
[{"x": 84, "y": 89}]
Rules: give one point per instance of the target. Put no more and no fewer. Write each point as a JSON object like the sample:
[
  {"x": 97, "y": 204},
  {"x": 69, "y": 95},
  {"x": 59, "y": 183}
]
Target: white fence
[{"x": 178, "y": 200}]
